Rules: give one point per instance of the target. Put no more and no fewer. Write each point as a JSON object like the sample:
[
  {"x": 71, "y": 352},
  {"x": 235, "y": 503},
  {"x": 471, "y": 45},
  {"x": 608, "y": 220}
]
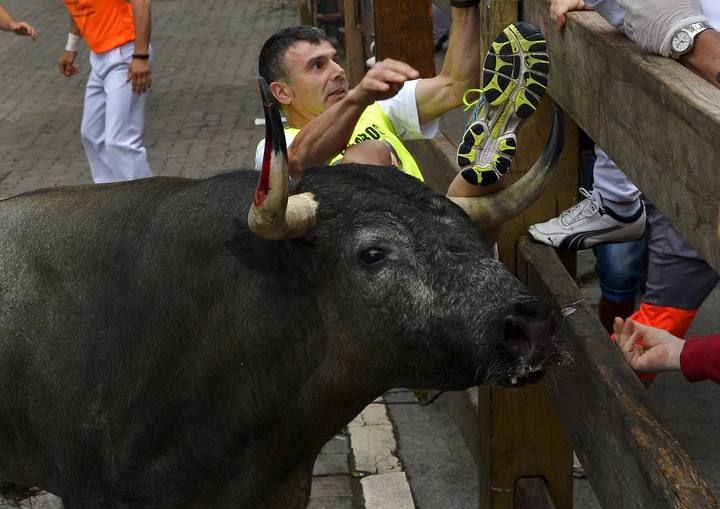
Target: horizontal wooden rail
[
  {"x": 656, "y": 119},
  {"x": 532, "y": 493},
  {"x": 632, "y": 459}
]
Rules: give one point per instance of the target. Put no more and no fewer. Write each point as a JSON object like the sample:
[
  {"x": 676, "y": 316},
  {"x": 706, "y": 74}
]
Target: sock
[{"x": 622, "y": 208}]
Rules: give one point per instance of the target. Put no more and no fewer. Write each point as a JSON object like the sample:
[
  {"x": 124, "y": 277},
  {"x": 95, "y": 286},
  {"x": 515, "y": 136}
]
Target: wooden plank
[
  {"x": 656, "y": 119},
  {"x": 532, "y": 493},
  {"x": 560, "y": 193},
  {"x": 413, "y": 43},
  {"x": 522, "y": 437},
  {"x": 305, "y": 14},
  {"x": 354, "y": 51},
  {"x": 632, "y": 459},
  {"x": 436, "y": 160}
]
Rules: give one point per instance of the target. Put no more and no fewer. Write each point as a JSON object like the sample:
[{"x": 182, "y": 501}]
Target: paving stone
[
  {"x": 331, "y": 486},
  {"x": 331, "y": 464},
  {"x": 331, "y": 503}
]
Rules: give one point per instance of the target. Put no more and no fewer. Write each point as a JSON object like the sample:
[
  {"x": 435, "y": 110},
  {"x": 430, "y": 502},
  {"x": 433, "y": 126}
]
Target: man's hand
[
  {"x": 139, "y": 74},
  {"x": 384, "y": 80},
  {"x": 647, "y": 349},
  {"x": 22, "y": 28},
  {"x": 66, "y": 64},
  {"x": 559, "y": 8},
  {"x": 652, "y": 23}
]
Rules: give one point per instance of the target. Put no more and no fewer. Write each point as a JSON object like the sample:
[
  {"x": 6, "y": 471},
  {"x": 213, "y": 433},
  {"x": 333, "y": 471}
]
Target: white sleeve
[
  {"x": 260, "y": 150},
  {"x": 610, "y": 10},
  {"x": 402, "y": 111}
]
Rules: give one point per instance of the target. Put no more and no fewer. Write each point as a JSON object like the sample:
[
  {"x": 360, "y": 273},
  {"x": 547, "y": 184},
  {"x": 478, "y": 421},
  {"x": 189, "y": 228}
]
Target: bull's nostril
[{"x": 515, "y": 337}]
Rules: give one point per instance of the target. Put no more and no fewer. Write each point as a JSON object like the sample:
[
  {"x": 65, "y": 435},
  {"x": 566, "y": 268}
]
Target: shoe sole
[{"x": 514, "y": 81}]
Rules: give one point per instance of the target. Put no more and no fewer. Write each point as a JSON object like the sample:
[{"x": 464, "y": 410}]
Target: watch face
[{"x": 681, "y": 41}]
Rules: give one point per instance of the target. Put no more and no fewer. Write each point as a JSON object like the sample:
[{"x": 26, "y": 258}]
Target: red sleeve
[{"x": 700, "y": 358}]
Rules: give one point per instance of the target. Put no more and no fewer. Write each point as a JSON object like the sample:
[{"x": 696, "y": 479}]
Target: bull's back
[{"x": 90, "y": 277}]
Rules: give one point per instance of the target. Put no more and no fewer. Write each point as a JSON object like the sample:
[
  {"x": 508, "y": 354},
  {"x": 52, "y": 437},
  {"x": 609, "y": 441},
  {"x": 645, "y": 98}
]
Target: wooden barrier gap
[
  {"x": 632, "y": 459},
  {"x": 658, "y": 120},
  {"x": 511, "y": 434}
]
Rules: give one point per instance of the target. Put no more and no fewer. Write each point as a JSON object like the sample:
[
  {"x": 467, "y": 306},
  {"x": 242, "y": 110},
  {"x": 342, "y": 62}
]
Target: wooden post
[
  {"x": 516, "y": 432},
  {"x": 403, "y": 31},
  {"x": 305, "y": 14},
  {"x": 520, "y": 433},
  {"x": 355, "y": 56}
]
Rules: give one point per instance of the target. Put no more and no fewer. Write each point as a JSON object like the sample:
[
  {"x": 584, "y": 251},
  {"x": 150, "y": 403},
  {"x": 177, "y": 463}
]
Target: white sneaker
[
  {"x": 578, "y": 471},
  {"x": 587, "y": 224}
]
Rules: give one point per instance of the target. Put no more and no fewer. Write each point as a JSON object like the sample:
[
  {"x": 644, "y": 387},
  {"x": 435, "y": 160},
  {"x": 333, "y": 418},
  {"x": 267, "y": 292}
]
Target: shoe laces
[
  {"x": 476, "y": 102},
  {"x": 586, "y": 208}
]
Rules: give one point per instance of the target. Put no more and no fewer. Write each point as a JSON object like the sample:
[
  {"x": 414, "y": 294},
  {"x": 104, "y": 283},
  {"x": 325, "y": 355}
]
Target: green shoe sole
[{"x": 514, "y": 81}]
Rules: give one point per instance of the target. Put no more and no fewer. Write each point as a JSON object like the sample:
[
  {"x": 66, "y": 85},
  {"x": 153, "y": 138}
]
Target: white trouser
[
  {"x": 114, "y": 119},
  {"x": 610, "y": 181}
]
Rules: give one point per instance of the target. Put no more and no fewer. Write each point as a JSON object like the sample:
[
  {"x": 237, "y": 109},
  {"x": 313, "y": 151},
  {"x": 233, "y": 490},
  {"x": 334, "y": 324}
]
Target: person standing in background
[{"x": 118, "y": 34}]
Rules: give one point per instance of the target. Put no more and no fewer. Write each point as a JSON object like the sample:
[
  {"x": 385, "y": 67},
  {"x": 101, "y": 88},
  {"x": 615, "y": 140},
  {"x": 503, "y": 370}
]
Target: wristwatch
[{"x": 683, "y": 40}]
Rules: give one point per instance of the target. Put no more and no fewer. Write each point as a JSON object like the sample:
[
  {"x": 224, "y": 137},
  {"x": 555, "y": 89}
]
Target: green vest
[{"x": 374, "y": 124}]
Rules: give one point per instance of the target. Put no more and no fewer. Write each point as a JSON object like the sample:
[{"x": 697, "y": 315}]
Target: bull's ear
[{"x": 273, "y": 216}]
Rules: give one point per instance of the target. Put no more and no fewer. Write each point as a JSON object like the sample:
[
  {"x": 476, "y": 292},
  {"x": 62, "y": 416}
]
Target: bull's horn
[
  {"x": 273, "y": 215},
  {"x": 497, "y": 208}
]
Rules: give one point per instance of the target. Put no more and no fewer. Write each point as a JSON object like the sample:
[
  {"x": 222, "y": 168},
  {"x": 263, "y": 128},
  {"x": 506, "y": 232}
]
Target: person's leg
[
  {"x": 124, "y": 120},
  {"x": 616, "y": 189},
  {"x": 678, "y": 279},
  {"x": 596, "y": 220},
  {"x": 619, "y": 267},
  {"x": 92, "y": 128}
]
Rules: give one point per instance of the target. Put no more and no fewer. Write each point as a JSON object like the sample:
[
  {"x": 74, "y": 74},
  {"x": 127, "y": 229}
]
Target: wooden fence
[{"x": 661, "y": 124}]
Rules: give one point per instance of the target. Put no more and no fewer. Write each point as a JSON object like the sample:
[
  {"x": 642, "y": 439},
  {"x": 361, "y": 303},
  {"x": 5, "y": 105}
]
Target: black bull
[{"x": 156, "y": 353}]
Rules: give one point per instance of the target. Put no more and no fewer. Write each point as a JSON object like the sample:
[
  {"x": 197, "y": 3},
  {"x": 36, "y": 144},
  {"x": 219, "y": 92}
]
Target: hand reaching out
[
  {"x": 647, "y": 349},
  {"x": 22, "y": 28},
  {"x": 384, "y": 80},
  {"x": 559, "y": 8}
]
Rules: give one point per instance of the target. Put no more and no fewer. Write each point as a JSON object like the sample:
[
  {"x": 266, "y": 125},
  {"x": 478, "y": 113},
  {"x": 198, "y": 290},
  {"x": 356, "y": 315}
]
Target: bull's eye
[{"x": 373, "y": 255}]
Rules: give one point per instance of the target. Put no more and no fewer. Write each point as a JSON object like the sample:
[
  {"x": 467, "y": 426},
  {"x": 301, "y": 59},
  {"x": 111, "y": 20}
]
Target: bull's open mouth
[{"x": 519, "y": 381}]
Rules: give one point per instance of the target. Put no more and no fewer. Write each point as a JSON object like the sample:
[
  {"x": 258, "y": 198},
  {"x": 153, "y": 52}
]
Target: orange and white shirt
[{"x": 104, "y": 24}]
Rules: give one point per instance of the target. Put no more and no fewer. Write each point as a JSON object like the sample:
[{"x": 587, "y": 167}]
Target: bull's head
[{"x": 408, "y": 273}]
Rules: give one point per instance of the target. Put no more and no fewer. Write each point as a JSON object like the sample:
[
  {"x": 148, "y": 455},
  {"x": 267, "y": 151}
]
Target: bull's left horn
[
  {"x": 495, "y": 209},
  {"x": 273, "y": 215}
]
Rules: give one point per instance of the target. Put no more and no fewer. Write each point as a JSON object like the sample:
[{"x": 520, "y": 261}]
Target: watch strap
[{"x": 693, "y": 29}]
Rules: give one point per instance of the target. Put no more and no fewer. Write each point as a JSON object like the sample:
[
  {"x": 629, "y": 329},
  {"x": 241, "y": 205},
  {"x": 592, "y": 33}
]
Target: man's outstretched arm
[
  {"x": 8, "y": 24},
  {"x": 460, "y": 70}
]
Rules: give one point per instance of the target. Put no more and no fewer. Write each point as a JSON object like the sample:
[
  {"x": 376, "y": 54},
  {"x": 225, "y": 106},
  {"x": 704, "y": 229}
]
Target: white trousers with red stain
[{"x": 114, "y": 119}]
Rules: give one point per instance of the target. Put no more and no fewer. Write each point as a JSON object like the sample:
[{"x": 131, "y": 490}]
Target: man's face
[{"x": 316, "y": 81}]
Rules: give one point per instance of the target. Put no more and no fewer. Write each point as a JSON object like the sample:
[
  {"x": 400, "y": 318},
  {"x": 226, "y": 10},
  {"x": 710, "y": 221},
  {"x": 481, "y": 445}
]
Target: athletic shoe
[
  {"x": 514, "y": 81},
  {"x": 589, "y": 223}
]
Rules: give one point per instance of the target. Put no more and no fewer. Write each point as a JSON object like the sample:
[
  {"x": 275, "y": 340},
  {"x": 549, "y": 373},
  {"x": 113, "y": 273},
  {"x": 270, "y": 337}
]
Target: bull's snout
[
  {"x": 527, "y": 341},
  {"x": 526, "y": 324}
]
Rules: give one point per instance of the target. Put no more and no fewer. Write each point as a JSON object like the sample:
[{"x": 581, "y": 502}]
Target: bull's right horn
[
  {"x": 273, "y": 215},
  {"x": 495, "y": 209}
]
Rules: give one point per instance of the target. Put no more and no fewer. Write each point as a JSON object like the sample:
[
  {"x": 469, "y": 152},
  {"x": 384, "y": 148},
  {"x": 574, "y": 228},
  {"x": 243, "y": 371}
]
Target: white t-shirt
[{"x": 402, "y": 111}]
